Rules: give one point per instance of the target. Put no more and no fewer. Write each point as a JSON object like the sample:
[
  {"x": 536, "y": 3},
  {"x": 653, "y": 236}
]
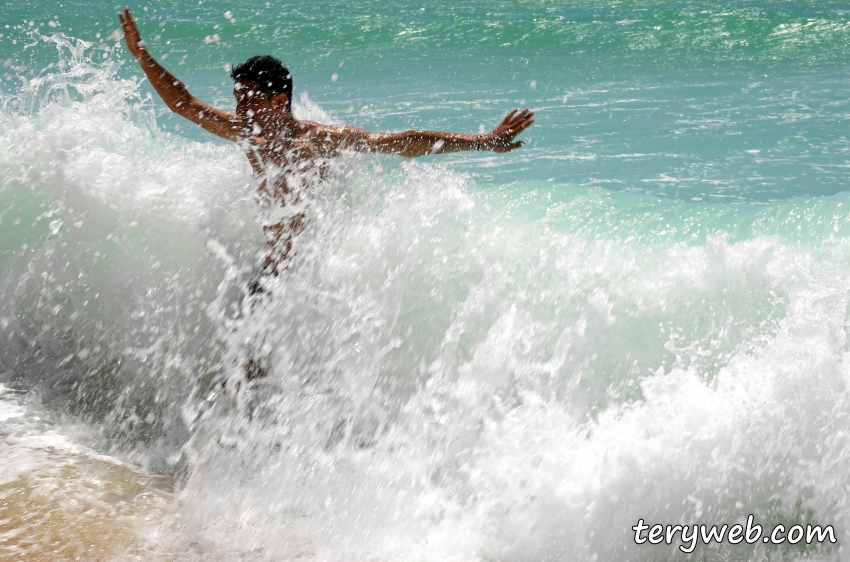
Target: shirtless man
[{"x": 280, "y": 147}]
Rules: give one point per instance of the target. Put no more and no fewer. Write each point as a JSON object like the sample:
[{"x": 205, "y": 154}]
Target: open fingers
[
  {"x": 502, "y": 137},
  {"x": 516, "y": 117},
  {"x": 520, "y": 122},
  {"x": 523, "y": 122},
  {"x": 523, "y": 115},
  {"x": 126, "y": 19}
]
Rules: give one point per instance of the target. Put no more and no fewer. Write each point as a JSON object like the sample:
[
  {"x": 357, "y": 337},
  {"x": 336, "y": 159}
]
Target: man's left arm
[{"x": 419, "y": 143}]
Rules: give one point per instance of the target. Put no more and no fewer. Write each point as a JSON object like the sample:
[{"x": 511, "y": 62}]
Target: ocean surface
[{"x": 641, "y": 314}]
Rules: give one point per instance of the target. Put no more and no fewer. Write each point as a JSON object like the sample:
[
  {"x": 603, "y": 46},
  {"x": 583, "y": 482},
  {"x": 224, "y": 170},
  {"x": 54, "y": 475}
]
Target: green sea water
[{"x": 640, "y": 314}]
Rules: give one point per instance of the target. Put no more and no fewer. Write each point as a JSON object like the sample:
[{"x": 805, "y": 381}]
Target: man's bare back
[{"x": 281, "y": 148}]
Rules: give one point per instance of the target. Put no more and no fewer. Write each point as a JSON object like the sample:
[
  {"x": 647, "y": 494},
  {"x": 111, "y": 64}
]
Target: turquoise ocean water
[{"x": 641, "y": 314}]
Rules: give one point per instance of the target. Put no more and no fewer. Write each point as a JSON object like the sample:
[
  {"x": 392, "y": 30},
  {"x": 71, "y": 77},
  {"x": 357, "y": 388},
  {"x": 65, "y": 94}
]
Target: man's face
[{"x": 251, "y": 104}]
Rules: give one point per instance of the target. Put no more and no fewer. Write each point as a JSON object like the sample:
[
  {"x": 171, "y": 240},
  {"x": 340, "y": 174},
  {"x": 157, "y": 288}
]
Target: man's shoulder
[{"x": 310, "y": 127}]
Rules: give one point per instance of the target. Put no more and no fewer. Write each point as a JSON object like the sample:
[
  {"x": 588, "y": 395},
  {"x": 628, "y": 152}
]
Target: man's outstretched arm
[
  {"x": 419, "y": 143},
  {"x": 173, "y": 92}
]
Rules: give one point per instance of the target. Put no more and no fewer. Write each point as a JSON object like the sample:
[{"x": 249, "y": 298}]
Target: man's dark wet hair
[{"x": 270, "y": 75}]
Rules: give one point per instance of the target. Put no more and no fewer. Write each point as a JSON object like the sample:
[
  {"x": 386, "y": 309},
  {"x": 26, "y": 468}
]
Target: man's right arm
[{"x": 173, "y": 92}]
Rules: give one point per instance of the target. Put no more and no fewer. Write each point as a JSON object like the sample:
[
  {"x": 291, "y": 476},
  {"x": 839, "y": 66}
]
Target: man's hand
[
  {"x": 131, "y": 35},
  {"x": 502, "y": 137}
]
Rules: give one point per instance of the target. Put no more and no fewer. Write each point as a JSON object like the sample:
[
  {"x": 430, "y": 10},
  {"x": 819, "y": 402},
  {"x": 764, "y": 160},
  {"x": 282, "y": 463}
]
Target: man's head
[{"x": 267, "y": 75}]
